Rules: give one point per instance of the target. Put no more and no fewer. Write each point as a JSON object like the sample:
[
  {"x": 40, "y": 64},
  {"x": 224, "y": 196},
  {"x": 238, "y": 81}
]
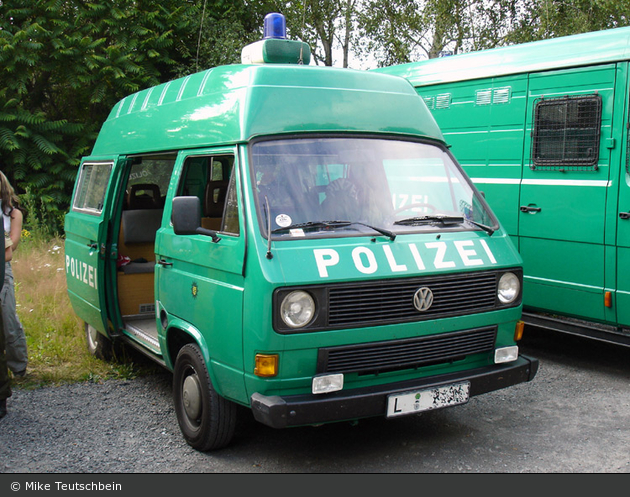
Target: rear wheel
[
  {"x": 98, "y": 344},
  {"x": 206, "y": 419}
]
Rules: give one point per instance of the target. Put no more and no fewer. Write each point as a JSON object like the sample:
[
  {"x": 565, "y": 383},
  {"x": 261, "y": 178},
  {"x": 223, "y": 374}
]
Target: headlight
[
  {"x": 509, "y": 288},
  {"x": 297, "y": 309}
]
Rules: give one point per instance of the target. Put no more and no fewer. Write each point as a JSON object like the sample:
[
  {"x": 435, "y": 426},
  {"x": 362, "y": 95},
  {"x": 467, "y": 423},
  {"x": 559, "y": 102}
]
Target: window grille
[
  {"x": 566, "y": 133},
  {"x": 483, "y": 97},
  {"x": 443, "y": 101}
]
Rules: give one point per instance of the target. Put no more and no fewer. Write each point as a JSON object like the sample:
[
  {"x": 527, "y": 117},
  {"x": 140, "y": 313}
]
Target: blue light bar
[{"x": 275, "y": 26}]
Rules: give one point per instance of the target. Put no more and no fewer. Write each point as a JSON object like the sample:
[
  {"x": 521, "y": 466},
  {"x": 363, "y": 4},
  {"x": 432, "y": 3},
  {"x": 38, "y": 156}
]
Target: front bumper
[{"x": 308, "y": 409}]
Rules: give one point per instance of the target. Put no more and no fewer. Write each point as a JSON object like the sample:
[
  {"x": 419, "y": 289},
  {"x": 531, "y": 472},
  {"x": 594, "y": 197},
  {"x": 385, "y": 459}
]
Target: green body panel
[
  {"x": 598, "y": 47},
  {"x": 294, "y": 263},
  {"x": 575, "y": 248},
  {"x": 219, "y": 294},
  {"x": 232, "y": 104},
  {"x": 86, "y": 253}
]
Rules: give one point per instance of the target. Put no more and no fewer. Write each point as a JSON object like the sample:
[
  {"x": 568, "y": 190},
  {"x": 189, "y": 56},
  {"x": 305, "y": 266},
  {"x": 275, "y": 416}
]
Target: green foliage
[
  {"x": 543, "y": 19},
  {"x": 219, "y": 29},
  {"x": 64, "y": 65},
  {"x": 401, "y": 31}
]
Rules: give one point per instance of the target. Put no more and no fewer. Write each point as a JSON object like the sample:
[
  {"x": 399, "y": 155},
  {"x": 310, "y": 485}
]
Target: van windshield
[{"x": 329, "y": 186}]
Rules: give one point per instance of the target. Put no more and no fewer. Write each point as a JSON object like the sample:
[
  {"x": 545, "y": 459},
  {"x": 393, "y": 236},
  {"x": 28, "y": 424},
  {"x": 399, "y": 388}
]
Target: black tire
[
  {"x": 98, "y": 344},
  {"x": 206, "y": 419}
]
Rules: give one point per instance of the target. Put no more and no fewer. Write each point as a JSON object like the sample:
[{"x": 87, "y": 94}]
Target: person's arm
[
  {"x": 16, "y": 228},
  {"x": 8, "y": 250}
]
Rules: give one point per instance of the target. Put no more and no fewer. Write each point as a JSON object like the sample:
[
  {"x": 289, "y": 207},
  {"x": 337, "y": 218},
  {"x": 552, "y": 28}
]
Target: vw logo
[{"x": 423, "y": 299}]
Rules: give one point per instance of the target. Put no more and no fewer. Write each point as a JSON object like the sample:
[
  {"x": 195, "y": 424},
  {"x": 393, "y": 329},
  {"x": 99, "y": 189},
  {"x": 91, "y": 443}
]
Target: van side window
[
  {"x": 210, "y": 178},
  {"x": 148, "y": 181},
  {"x": 566, "y": 132},
  {"x": 91, "y": 188}
]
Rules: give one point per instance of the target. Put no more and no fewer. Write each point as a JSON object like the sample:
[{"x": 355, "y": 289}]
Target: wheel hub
[{"x": 191, "y": 396}]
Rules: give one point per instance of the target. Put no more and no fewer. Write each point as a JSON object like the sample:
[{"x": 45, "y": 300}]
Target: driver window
[{"x": 210, "y": 179}]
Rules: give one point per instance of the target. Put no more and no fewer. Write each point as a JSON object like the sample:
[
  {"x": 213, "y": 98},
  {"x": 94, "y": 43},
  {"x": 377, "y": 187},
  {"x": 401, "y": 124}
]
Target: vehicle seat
[
  {"x": 144, "y": 196},
  {"x": 214, "y": 204}
]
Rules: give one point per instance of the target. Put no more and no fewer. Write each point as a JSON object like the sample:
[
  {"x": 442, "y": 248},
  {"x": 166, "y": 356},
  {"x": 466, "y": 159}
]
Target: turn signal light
[
  {"x": 518, "y": 330},
  {"x": 266, "y": 365},
  {"x": 608, "y": 299}
]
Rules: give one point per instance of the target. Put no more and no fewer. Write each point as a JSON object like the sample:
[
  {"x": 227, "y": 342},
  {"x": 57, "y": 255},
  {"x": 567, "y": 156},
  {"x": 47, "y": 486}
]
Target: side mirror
[{"x": 186, "y": 218}]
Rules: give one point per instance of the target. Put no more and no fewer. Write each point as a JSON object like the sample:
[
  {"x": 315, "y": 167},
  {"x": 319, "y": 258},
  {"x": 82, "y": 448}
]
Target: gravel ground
[{"x": 574, "y": 417}]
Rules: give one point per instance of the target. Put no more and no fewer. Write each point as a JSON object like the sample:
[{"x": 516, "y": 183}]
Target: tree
[
  {"x": 64, "y": 64},
  {"x": 219, "y": 31},
  {"x": 401, "y": 31},
  {"x": 323, "y": 24},
  {"x": 543, "y": 19}
]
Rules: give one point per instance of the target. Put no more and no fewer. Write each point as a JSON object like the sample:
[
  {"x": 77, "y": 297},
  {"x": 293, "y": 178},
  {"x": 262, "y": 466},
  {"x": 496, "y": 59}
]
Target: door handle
[
  {"x": 164, "y": 263},
  {"x": 624, "y": 215},
  {"x": 525, "y": 208},
  {"x": 93, "y": 245}
]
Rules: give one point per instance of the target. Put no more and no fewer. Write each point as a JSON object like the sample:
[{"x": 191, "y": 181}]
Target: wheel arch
[{"x": 179, "y": 333}]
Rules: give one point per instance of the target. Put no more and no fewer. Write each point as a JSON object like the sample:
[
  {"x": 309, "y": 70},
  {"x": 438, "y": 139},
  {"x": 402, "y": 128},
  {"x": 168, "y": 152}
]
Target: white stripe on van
[
  {"x": 542, "y": 182},
  {"x": 497, "y": 181},
  {"x": 567, "y": 182}
]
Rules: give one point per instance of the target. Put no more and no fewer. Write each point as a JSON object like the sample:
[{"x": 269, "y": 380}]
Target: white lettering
[
  {"x": 416, "y": 256},
  {"x": 325, "y": 258},
  {"x": 439, "y": 261},
  {"x": 358, "y": 262},
  {"x": 467, "y": 254},
  {"x": 366, "y": 261},
  {"x": 392, "y": 262},
  {"x": 82, "y": 271},
  {"x": 487, "y": 249}
]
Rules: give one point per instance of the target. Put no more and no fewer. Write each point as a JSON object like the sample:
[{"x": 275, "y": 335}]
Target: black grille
[
  {"x": 397, "y": 355},
  {"x": 392, "y": 301},
  {"x": 566, "y": 133}
]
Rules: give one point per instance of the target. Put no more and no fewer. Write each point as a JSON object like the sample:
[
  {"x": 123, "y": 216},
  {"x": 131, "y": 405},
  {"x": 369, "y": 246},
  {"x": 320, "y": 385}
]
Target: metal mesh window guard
[{"x": 566, "y": 133}]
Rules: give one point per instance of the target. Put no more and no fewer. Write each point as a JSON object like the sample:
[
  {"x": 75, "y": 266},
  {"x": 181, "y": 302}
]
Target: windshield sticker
[
  {"x": 296, "y": 232},
  {"x": 420, "y": 257},
  {"x": 283, "y": 220}
]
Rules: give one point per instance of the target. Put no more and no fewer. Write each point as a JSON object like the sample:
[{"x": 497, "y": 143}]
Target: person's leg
[
  {"x": 5, "y": 382},
  {"x": 14, "y": 336}
]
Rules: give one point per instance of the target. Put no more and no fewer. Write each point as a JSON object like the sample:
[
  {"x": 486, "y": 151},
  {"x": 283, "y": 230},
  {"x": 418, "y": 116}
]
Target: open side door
[{"x": 89, "y": 257}]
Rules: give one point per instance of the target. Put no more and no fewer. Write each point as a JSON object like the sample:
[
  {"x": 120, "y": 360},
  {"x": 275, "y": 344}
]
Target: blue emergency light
[
  {"x": 274, "y": 48},
  {"x": 275, "y": 26}
]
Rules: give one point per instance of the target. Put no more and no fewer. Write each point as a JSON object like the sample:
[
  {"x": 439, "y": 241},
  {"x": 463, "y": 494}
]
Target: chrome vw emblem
[{"x": 423, "y": 299}]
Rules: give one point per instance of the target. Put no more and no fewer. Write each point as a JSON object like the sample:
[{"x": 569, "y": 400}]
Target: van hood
[{"x": 366, "y": 258}]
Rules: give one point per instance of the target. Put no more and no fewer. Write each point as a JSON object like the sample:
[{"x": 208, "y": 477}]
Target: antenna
[{"x": 203, "y": 15}]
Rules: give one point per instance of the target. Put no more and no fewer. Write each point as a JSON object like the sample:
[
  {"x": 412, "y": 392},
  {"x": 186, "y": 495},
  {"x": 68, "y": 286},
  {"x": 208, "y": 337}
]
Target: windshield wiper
[
  {"x": 487, "y": 229},
  {"x": 333, "y": 224},
  {"x": 444, "y": 220}
]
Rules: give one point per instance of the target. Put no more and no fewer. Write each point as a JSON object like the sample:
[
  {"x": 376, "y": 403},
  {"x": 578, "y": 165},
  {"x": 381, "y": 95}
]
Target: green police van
[
  {"x": 291, "y": 239},
  {"x": 542, "y": 130}
]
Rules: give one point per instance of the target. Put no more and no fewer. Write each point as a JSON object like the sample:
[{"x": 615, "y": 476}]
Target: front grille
[
  {"x": 391, "y": 301},
  {"x": 397, "y": 355}
]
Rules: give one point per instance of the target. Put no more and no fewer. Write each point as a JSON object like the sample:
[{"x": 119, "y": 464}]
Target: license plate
[{"x": 425, "y": 400}]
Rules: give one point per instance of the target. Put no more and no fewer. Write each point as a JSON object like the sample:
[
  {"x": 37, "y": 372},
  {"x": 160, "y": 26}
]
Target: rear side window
[
  {"x": 92, "y": 186},
  {"x": 566, "y": 133}
]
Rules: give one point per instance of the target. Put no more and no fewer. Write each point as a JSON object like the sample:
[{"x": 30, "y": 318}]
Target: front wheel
[
  {"x": 98, "y": 344},
  {"x": 206, "y": 419}
]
